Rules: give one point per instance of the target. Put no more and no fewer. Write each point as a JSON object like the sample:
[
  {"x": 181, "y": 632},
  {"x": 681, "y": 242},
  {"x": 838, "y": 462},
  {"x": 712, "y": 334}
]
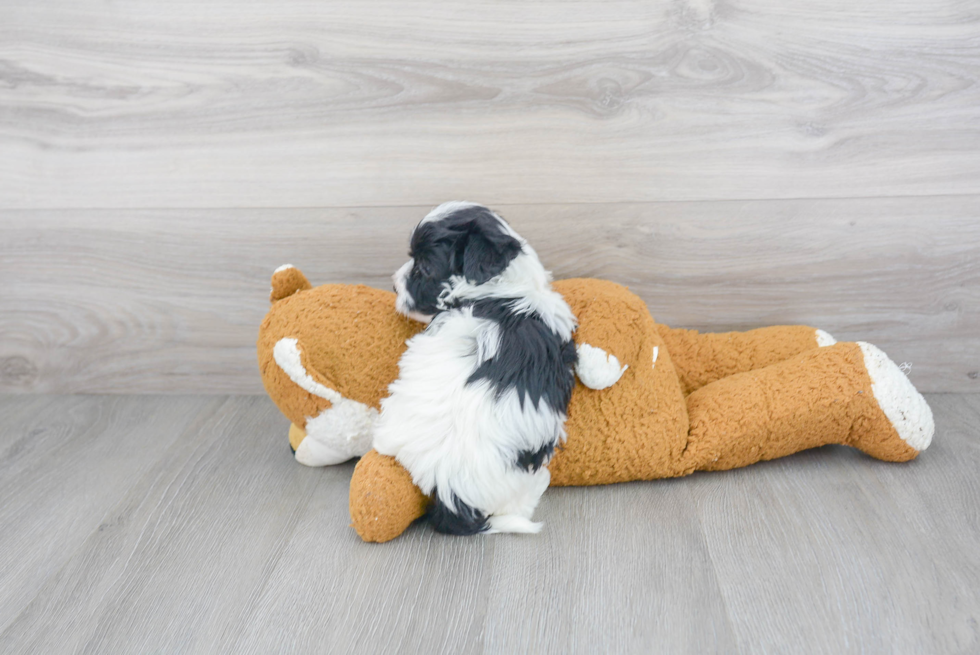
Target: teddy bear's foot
[{"x": 906, "y": 412}]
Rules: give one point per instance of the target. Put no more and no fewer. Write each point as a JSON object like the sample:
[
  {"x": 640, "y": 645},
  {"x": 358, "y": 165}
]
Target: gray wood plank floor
[{"x": 150, "y": 524}]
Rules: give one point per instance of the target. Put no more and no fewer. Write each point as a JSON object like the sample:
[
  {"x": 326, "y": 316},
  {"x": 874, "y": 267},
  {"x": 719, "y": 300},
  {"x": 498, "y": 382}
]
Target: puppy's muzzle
[{"x": 404, "y": 303}]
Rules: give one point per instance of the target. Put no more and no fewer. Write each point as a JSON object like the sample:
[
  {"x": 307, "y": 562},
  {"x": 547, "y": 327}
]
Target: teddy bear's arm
[{"x": 596, "y": 368}]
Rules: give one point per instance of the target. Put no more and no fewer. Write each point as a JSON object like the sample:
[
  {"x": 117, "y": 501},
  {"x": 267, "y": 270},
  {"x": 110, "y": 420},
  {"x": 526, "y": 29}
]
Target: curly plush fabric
[
  {"x": 637, "y": 428},
  {"x": 383, "y": 500},
  {"x": 349, "y": 336},
  {"x": 701, "y": 359}
]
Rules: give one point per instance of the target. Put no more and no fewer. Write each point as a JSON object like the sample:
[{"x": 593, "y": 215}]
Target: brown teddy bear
[{"x": 651, "y": 401}]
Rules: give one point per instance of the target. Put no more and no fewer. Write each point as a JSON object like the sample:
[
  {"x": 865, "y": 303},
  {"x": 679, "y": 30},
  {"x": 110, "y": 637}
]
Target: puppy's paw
[
  {"x": 596, "y": 368},
  {"x": 512, "y": 523}
]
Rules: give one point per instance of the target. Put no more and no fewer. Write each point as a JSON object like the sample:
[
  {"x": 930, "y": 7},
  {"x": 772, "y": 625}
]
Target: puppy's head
[{"x": 457, "y": 244}]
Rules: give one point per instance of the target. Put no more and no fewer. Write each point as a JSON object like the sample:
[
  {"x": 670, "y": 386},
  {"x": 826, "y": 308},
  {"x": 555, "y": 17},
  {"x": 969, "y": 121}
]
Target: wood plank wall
[{"x": 736, "y": 163}]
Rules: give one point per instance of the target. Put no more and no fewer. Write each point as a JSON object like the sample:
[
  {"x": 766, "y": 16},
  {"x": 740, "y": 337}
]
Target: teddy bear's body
[{"x": 686, "y": 401}]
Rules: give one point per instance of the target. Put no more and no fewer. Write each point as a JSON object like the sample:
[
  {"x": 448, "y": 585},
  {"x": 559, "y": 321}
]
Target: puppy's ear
[{"x": 488, "y": 250}]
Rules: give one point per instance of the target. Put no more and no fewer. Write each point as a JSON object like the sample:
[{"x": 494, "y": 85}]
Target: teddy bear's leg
[
  {"x": 700, "y": 359},
  {"x": 848, "y": 393}
]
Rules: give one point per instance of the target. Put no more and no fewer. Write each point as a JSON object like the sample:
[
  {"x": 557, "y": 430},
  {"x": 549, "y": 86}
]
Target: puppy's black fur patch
[
  {"x": 532, "y": 460},
  {"x": 469, "y": 242},
  {"x": 461, "y": 519},
  {"x": 530, "y": 358}
]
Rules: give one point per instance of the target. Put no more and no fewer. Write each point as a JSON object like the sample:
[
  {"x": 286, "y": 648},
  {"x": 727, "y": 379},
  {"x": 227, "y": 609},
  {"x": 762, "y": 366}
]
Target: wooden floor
[{"x": 138, "y": 524}]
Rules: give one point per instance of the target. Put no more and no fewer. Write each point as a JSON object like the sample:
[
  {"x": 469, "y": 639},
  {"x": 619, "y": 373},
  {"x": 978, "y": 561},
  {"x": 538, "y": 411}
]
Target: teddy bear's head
[{"x": 327, "y": 355}]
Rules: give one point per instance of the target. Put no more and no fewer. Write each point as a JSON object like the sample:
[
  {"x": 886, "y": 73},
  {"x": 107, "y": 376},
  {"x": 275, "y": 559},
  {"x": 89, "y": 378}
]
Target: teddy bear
[{"x": 650, "y": 401}]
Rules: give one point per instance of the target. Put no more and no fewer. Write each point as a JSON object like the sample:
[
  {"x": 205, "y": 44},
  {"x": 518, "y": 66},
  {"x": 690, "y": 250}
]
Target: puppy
[{"x": 482, "y": 394}]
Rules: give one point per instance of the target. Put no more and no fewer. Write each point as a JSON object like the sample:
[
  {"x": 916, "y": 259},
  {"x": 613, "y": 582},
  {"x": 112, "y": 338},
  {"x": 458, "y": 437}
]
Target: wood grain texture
[
  {"x": 840, "y": 542},
  {"x": 331, "y": 103},
  {"x": 220, "y": 542},
  {"x": 171, "y": 564},
  {"x": 587, "y": 585},
  {"x": 170, "y": 300},
  {"x": 65, "y": 462}
]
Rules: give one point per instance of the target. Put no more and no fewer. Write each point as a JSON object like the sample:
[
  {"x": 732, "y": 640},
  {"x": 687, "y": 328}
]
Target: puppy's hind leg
[
  {"x": 515, "y": 515},
  {"x": 513, "y": 523}
]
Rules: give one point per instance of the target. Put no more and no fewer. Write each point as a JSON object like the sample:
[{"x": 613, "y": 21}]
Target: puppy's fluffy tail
[
  {"x": 463, "y": 519},
  {"x": 512, "y": 523}
]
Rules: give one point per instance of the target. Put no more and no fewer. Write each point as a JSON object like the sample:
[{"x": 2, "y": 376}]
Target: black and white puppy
[{"x": 481, "y": 398}]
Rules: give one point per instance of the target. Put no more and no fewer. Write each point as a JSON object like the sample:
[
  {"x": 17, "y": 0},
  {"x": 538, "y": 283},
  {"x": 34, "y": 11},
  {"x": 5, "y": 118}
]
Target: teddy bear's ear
[{"x": 287, "y": 280}]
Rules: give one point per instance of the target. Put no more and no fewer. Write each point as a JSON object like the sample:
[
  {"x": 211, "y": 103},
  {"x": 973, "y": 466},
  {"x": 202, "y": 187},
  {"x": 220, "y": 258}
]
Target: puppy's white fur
[
  {"x": 461, "y": 438},
  {"x": 458, "y": 437}
]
